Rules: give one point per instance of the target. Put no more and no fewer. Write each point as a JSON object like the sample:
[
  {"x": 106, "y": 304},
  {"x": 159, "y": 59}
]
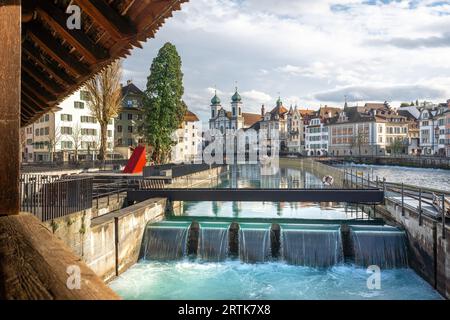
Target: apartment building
[
  {"x": 127, "y": 125},
  {"x": 188, "y": 147},
  {"x": 433, "y": 131},
  {"x": 368, "y": 131},
  {"x": 295, "y": 131},
  {"x": 316, "y": 137},
  {"x": 68, "y": 133}
]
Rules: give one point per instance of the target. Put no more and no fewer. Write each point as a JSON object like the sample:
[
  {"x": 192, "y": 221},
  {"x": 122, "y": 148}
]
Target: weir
[
  {"x": 213, "y": 242},
  {"x": 165, "y": 240},
  {"x": 383, "y": 246},
  {"x": 311, "y": 245},
  {"x": 254, "y": 242}
]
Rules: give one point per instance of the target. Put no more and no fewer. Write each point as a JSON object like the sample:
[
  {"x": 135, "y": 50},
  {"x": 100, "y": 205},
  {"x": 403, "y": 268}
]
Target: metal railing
[
  {"x": 399, "y": 192},
  {"x": 51, "y": 197}
]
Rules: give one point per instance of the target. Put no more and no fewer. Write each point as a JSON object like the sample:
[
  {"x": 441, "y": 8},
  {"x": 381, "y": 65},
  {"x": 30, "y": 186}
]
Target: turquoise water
[
  {"x": 249, "y": 176},
  {"x": 236, "y": 280}
]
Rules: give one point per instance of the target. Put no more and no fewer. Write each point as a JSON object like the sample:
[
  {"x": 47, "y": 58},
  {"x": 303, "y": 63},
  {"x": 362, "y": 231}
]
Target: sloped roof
[
  {"x": 130, "y": 88},
  {"x": 190, "y": 116},
  {"x": 280, "y": 110},
  {"x": 250, "y": 118},
  {"x": 57, "y": 61}
]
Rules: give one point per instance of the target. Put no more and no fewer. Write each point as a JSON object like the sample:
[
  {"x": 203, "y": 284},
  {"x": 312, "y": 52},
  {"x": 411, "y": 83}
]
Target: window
[
  {"x": 130, "y": 129},
  {"x": 78, "y": 105},
  {"x": 46, "y": 131},
  {"x": 88, "y": 132},
  {"x": 130, "y": 142},
  {"x": 66, "y": 130},
  {"x": 140, "y": 140},
  {"x": 46, "y": 117},
  {"x": 119, "y": 141},
  {"x": 88, "y": 119},
  {"x": 41, "y": 131},
  {"x": 84, "y": 95},
  {"x": 120, "y": 116},
  {"x": 66, "y": 117},
  {"x": 139, "y": 116},
  {"x": 110, "y": 133},
  {"x": 66, "y": 144},
  {"x": 130, "y": 116},
  {"x": 119, "y": 128}
]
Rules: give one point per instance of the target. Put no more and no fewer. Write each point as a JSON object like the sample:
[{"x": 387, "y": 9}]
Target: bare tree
[
  {"x": 105, "y": 100},
  {"x": 77, "y": 139},
  {"x": 53, "y": 142}
]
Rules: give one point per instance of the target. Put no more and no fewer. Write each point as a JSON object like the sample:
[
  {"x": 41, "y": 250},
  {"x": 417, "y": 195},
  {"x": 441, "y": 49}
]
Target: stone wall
[
  {"x": 429, "y": 251},
  {"x": 109, "y": 244}
]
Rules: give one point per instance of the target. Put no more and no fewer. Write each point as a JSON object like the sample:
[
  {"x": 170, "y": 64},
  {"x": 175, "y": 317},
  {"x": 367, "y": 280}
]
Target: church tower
[
  {"x": 215, "y": 107},
  {"x": 236, "y": 111}
]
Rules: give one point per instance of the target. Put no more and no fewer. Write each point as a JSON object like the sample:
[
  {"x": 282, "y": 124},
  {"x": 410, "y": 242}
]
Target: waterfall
[
  {"x": 311, "y": 245},
  {"x": 254, "y": 242},
  {"x": 383, "y": 246},
  {"x": 213, "y": 241},
  {"x": 165, "y": 240}
]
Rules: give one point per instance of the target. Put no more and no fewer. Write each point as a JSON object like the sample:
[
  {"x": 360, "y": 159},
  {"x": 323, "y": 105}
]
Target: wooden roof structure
[{"x": 56, "y": 61}]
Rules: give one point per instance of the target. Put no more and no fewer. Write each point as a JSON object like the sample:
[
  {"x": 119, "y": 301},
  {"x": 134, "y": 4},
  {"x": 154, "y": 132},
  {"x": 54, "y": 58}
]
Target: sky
[{"x": 310, "y": 53}]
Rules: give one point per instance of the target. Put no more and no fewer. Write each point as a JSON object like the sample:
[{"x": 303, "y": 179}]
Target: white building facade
[
  {"x": 316, "y": 138},
  {"x": 188, "y": 147},
  {"x": 70, "y": 133}
]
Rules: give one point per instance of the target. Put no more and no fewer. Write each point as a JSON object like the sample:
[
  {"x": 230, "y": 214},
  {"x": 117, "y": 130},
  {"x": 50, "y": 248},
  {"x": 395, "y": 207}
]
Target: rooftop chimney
[{"x": 262, "y": 111}]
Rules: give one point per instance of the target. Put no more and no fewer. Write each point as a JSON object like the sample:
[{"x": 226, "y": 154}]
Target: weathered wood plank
[
  {"x": 77, "y": 38},
  {"x": 10, "y": 20},
  {"x": 34, "y": 264},
  {"x": 117, "y": 26}
]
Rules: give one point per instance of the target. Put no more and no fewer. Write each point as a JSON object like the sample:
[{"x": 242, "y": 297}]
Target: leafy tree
[
  {"x": 396, "y": 146},
  {"x": 105, "y": 100},
  {"x": 164, "y": 109}
]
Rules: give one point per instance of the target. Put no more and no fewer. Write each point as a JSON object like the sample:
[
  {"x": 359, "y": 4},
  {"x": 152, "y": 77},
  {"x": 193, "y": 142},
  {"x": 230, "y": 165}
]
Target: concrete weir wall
[
  {"x": 429, "y": 249},
  {"x": 109, "y": 244}
]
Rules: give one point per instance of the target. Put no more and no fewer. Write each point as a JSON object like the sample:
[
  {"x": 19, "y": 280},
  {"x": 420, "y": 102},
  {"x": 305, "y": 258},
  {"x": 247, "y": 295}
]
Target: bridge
[{"x": 369, "y": 196}]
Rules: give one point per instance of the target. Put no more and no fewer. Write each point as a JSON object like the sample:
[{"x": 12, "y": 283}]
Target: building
[
  {"x": 188, "y": 139},
  {"x": 224, "y": 120},
  {"x": 433, "y": 130},
  {"x": 69, "y": 133},
  {"x": 276, "y": 120},
  {"x": 412, "y": 114},
  {"x": 129, "y": 120},
  {"x": 295, "y": 130},
  {"x": 316, "y": 131},
  {"x": 366, "y": 131}
]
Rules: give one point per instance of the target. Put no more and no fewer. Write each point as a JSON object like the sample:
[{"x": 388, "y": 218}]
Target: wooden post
[{"x": 10, "y": 52}]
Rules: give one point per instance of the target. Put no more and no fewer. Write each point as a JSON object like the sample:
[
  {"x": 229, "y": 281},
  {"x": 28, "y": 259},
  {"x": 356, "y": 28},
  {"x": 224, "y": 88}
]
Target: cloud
[
  {"x": 387, "y": 93},
  {"x": 412, "y": 43},
  {"x": 304, "y": 50},
  {"x": 256, "y": 96}
]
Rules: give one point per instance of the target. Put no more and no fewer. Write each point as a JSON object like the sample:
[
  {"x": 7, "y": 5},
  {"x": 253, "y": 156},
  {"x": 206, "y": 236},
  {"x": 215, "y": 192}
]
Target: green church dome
[
  {"x": 236, "y": 97},
  {"x": 215, "y": 100}
]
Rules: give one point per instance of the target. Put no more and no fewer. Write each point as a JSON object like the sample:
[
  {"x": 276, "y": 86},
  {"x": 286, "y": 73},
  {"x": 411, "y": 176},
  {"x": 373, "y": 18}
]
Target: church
[{"x": 235, "y": 119}]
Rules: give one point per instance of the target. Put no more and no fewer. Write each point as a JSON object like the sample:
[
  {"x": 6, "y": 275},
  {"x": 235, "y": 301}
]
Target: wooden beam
[
  {"x": 32, "y": 95},
  {"x": 37, "y": 88},
  {"x": 49, "y": 45},
  {"x": 41, "y": 77},
  {"x": 31, "y": 104},
  {"x": 10, "y": 39},
  {"x": 34, "y": 265},
  {"x": 56, "y": 18},
  {"x": 117, "y": 26},
  {"x": 34, "y": 54}
]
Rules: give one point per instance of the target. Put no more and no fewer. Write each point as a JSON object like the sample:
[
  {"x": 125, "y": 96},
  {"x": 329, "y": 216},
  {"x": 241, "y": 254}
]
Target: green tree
[
  {"x": 396, "y": 146},
  {"x": 163, "y": 106}
]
